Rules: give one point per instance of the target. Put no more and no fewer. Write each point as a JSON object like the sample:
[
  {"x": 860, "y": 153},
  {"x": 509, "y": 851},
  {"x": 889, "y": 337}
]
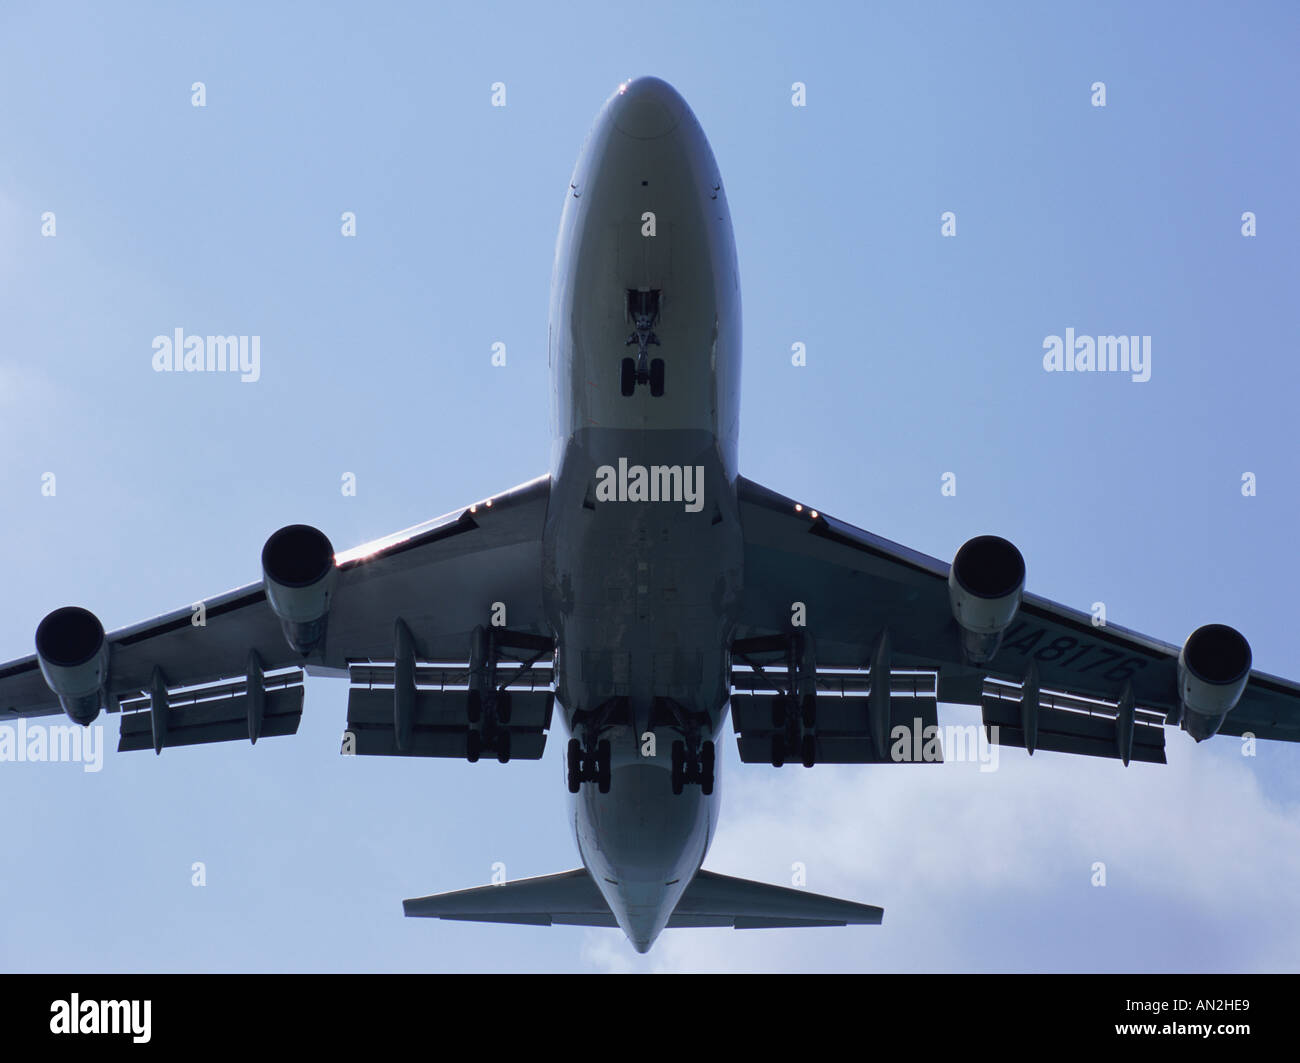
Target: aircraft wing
[
  {"x": 211, "y": 663},
  {"x": 1099, "y": 690}
]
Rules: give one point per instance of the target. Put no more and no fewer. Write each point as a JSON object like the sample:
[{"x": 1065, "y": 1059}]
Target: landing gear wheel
[
  {"x": 656, "y": 377},
  {"x": 706, "y": 769},
  {"x": 575, "y": 765},
  {"x": 473, "y": 746},
  {"x": 778, "y": 712},
  {"x": 474, "y": 706},
  {"x": 778, "y": 751},
  {"x": 627, "y": 378},
  {"x": 602, "y": 765},
  {"x": 679, "y": 766},
  {"x": 503, "y": 747},
  {"x": 809, "y": 751},
  {"x": 503, "y": 706},
  {"x": 809, "y": 711}
]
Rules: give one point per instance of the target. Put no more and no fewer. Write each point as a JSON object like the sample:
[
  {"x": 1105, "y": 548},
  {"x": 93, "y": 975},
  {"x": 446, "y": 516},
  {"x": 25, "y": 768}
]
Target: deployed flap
[
  {"x": 569, "y": 898},
  {"x": 719, "y": 900}
]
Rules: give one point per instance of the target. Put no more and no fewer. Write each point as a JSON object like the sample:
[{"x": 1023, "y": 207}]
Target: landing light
[{"x": 798, "y": 508}]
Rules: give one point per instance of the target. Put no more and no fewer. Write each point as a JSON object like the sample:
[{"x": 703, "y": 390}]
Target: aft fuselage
[{"x": 643, "y": 552}]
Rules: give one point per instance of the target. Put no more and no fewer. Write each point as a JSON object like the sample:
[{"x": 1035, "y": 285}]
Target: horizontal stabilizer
[
  {"x": 719, "y": 900},
  {"x": 572, "y": 899},
  {"x": 569, "y": 898}
]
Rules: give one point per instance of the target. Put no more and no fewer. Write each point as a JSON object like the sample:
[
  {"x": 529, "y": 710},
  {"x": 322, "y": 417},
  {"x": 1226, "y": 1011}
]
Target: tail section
[
  {"x": 569, "y": 899},
  {"x": 572, "y": 899},
  {"x": 719, "y": 900}
]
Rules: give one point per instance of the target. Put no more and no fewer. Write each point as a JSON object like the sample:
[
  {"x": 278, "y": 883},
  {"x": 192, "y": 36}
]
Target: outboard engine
[
  {"x": 73, "y": 654},
  {"x": 1213, "y": 668}
]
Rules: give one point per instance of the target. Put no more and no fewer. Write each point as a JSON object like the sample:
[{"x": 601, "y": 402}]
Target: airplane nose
[{"x": 647, "y": 108}]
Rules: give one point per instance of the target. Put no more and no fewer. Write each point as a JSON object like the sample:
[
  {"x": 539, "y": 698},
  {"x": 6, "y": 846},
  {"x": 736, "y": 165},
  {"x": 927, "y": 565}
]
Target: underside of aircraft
[{"x": 650, "y": 591}]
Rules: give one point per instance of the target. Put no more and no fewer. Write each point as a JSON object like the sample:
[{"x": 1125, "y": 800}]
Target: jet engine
[
  {"x": 985, "y": 585},
  {"x": 298, "y": 576},
  {"x": 1213, "y": 668},
  {"x": 73, "y": 654}
]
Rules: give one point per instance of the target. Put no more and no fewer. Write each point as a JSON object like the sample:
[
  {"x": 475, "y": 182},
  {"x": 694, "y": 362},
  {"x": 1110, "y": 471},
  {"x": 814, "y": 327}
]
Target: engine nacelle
[
  {"x": 73, "y": 654},
  {"x": 985, "y": 585},
  {"x": 1213, "y": 668},
  {"x": 298, "y": 575}
]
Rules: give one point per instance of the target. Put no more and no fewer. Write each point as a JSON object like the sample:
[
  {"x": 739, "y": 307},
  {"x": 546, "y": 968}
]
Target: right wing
[{"x": 441, "y": 578}]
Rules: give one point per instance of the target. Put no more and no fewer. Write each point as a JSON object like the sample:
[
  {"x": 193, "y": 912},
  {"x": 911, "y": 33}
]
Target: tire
[
  {"x": 503, "y": 706},
  {"x": 656, "y": 377},
  {"x": 473, "y": 746},
  {"x": 778, "y": 751},
  {"x": 707, "y": 758},
  {"x": 679, "y": 767},
  {"x": 778, "y": 712},
  {"x": 809, "y": 711},
  {"x": 503, "y": 747},
  {"x": 809, "y": 751},
  {"x": 627, "y": 379},
  {"x": 575, "y": 765},
  {"x": 474, "y": 706},
  {"x": 602, "y": 765}
]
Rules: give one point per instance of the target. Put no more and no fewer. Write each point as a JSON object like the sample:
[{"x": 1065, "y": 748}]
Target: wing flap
[{"x": 219, "y": 720}]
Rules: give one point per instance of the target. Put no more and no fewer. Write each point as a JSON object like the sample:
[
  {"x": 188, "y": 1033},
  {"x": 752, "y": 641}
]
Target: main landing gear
[
  {"x": 693, "y": 770},
  {"x": 487, "y": 703},
  {"x": 794, "y": 720},
  {"x": 794, "y": 707},
  {"x": 589, "y": 765}
]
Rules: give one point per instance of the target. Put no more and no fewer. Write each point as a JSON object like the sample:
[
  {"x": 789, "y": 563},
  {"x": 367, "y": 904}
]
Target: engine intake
[
  {"x": 73, "y": 655},
  {"x": 298, "y": 575},
  {"x": 1213, "y": 669},
  {"x": 985, "y": 585}
]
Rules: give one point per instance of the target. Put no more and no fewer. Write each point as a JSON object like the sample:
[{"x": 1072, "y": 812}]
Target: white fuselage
[{"x": 642, "y": 594}]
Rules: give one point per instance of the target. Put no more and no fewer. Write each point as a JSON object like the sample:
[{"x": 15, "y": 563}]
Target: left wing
[{"x": 1051, "y": 679}]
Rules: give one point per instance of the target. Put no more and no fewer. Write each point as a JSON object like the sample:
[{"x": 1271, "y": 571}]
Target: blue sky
[{"x": 924, "y": 357}]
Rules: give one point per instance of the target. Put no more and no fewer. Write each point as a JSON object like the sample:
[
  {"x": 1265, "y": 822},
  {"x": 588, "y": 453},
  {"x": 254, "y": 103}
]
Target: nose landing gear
[{"x": 643, "y": 309}]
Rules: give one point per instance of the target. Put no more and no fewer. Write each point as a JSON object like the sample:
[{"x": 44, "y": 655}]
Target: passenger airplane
[{"x": 640, "y": 583}]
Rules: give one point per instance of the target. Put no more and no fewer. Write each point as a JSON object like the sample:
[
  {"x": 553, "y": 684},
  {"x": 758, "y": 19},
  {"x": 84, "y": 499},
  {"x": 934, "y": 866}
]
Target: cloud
[{"x": 994, "y": 871}]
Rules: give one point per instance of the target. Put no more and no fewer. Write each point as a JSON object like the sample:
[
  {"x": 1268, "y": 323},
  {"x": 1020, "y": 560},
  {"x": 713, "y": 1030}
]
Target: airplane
[{"x": 651, "y": 590}]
